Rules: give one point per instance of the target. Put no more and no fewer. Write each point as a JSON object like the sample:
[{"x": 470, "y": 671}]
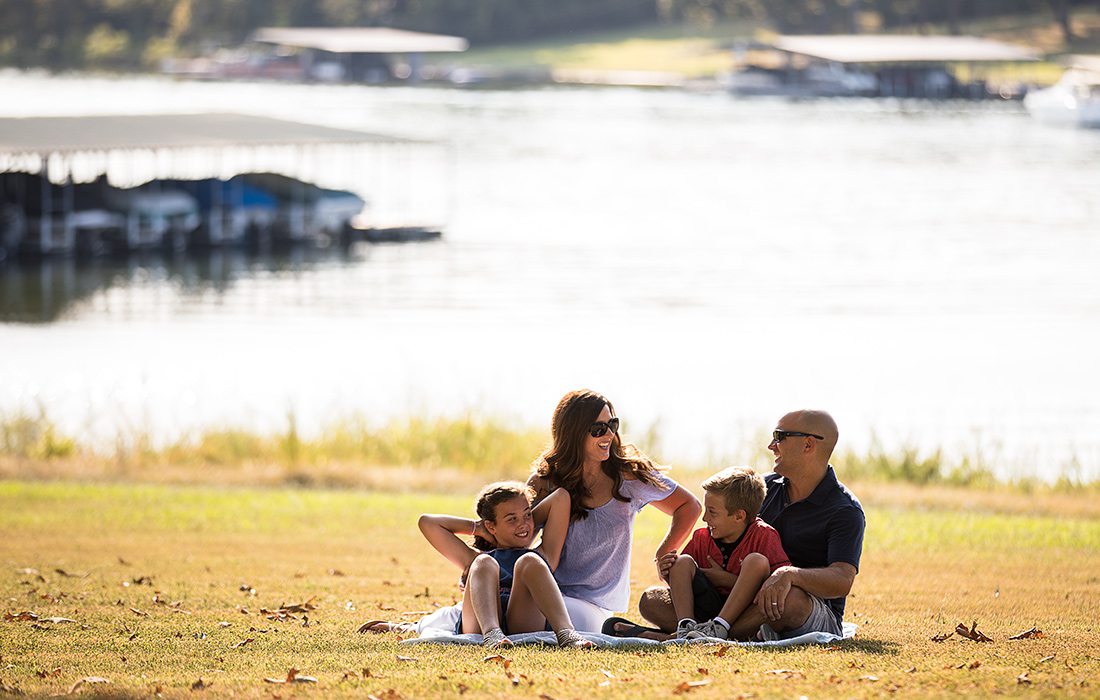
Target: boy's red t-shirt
[{"x": 759, "y": 537}]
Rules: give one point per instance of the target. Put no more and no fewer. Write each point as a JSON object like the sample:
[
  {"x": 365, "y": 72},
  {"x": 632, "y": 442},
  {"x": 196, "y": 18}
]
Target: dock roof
[
  {"x": 47, "y": 136},
  {"x": 857, "y": 48},
  {"x": 360, "y": 39}
]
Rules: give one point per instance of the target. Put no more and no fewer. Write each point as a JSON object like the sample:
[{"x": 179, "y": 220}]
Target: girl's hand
[{"x": 483, "y": 532}]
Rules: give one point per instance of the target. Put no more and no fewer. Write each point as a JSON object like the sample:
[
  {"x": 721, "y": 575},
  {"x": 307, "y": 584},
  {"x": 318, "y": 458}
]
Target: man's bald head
[{"x": 817, "y": 423}]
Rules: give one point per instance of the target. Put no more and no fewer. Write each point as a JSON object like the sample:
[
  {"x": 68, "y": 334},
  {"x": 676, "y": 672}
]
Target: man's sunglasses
[
  {"x": 781, "y": 435},
  {"x": 599, "y": 428}
]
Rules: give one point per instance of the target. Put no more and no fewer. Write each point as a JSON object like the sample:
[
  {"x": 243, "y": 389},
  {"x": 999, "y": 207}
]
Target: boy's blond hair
[{"x": 741, "y": 487}]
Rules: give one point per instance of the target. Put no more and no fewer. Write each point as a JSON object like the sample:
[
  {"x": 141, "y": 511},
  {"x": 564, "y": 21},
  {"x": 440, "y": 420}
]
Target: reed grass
[{"x": 416, "y": 454}]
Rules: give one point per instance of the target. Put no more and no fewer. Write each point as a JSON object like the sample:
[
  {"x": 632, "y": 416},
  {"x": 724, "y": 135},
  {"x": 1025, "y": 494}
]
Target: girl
[
  {"x": 510, "y": 587},
  {"x": 608, "y": 482}
]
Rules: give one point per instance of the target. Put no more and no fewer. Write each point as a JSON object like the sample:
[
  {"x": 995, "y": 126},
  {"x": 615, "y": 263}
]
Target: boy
[{"x": 720, "y": 570}]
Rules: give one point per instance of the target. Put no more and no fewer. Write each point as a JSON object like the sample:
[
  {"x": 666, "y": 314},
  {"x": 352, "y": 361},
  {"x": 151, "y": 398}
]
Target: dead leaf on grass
[
  {"x": 498, "y": 658},
  {"x": 90, "y": 680},
  {"x": 1047, "y": 658},
  {"x": 292, "y": 676},
  {"x": 973, "y": 633},
  {"x": 687, "y": 686},
  {"x": 139, "y": 613},
  {"x": 722, "y": 650},
  {"x": 66, "y": 574},
  {"x": 1033, "y": 633},
  {"x": 49, "y": 674},
  {"x": 56, "y": 620},
  {"x": 200, "y": 684},
  {"x": 1022, "y": 679},
  {"x": 942, "y": 637},
  {"x": 336, "y": 572},
  {"x": 389, "y": 694},
  {"x": 406, "y": 658},
  {"x": 870, "y": 679},
  {"x": 786, "y": 673},
  {"x": 25, "y": 616},
  {"x": 240, "y": 644}
]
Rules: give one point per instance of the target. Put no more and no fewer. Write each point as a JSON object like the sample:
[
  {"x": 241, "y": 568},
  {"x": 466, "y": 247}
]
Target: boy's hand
[
  {"x": 718, "y": 575},
  {"x": 664, "y": 565}
]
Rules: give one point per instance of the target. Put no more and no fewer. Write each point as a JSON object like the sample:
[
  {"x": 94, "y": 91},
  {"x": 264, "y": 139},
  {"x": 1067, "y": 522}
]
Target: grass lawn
[{"x": 170, "y": 585}]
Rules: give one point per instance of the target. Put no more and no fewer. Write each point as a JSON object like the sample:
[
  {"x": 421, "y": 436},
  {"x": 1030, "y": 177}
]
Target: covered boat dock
[
  {"x": 44, "y": 159},
  {"x": 359, "y": 53},
  {"x": 901, "y": 65}
]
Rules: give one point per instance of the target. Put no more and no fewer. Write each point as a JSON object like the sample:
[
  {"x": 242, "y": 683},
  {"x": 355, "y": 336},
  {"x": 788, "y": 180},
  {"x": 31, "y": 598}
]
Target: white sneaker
[
  {"x": 709, "y": 629},
  {"x": 684, "y": 627}
]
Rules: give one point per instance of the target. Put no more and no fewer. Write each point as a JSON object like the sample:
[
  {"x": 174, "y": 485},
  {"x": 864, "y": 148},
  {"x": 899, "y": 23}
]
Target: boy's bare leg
[
  {"x": 755, "y": 569},
  {"x": 679, "y": 585}
]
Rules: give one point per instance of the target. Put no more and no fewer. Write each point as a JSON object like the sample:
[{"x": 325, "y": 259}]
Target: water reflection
[{"x": 54, "y": 289}]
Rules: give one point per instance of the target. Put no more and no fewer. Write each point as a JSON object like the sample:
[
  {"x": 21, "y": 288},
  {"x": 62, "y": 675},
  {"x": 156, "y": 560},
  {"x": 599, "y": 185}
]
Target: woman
[{"x": 608, "y": 483}]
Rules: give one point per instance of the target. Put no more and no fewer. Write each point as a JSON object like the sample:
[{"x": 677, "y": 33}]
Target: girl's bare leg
[
  {"x": 537, "y": 599},
  {"x": 482, "y": 598}
]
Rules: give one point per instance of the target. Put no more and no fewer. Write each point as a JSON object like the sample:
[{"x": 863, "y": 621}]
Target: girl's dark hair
[
  {"x": 562, "y": 463},
  {"x": 492, "y": 496}
]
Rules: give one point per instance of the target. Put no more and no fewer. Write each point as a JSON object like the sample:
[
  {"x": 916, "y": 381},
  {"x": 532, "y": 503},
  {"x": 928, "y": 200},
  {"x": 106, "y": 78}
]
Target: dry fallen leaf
[
  {"x": 872, "y": 679},
  {"x": 49, "y": 674},
  {"x": 66, "y": 574},
  {"x": 973, "y": 633},
  {"x": 687, "y": 686},
  {"x": 9, "y": 689},
  {"x": 139, "y": 613},
  {"x": 500, "y": 659},
  {"x": 56, "y": 620},
  {"x": 200, "y": 684},
  {"x": 786, "y": 673},
  {"x": 240, "y": 644},
  {"x": 389, "y": 694},
  {"x": 25, "y": 616},
  {"x": 1022, "y": 679},
  {"x": 292, "y": 676},
  {"x": 406, "y": 658},
  {"x": 942, "y": 637},
  {"x": 1047, "y": 658},
  {"x": 1033, "y": 633},
  {"x": 86, "y": 679}
]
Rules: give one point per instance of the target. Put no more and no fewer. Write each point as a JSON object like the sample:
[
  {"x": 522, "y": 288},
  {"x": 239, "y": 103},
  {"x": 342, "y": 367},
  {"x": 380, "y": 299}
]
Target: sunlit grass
[{"x": 150, "y": 573}]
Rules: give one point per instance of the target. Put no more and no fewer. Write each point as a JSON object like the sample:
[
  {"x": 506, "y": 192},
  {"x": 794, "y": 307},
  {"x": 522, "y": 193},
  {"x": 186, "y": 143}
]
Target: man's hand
[
  {"x": 773, "y": 593},
  {"x": 664, "y": 564}
]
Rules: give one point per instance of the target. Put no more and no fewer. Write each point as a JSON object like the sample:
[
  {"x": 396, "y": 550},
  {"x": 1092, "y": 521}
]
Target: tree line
[{"x": 130, "y": 34}]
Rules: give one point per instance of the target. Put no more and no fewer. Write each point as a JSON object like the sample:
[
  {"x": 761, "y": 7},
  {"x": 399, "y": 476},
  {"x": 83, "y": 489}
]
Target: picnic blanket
[{"x": 438, "y": 636}]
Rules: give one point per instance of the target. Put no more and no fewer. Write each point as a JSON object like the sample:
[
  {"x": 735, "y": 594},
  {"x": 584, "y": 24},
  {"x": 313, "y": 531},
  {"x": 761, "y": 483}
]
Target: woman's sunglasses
[{"x": 599, "y": 428}]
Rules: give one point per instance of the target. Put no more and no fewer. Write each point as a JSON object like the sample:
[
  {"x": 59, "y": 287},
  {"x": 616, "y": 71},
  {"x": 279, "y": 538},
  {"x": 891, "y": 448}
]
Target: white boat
[{"x": 1074, "y": 100}]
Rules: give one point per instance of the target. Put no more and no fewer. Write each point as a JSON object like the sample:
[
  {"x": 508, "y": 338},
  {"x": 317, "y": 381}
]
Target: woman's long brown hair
[{"x": 562, "y": 464}]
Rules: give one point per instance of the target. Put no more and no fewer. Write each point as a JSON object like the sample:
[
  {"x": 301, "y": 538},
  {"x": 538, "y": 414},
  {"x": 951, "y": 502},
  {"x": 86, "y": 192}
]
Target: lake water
[{"x": 928, "y": 273}]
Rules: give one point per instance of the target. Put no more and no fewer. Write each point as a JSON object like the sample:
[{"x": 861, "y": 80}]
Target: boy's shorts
[{"x": 708, "y": 601}]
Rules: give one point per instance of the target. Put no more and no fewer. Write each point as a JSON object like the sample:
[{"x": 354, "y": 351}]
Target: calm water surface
[{"x": 931, "y": 274}]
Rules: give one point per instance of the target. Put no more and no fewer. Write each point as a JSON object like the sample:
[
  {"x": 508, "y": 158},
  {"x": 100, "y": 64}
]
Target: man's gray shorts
[{"x": 821, "y": 619}]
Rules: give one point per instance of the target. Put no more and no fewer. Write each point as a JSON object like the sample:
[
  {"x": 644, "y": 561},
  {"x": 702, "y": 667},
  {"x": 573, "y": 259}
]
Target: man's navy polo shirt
[{"x": 817, "y": 531}]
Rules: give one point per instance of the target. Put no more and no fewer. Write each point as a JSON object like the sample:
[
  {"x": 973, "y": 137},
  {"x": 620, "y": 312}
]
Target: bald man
[{"x": 821, "y": 525}]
